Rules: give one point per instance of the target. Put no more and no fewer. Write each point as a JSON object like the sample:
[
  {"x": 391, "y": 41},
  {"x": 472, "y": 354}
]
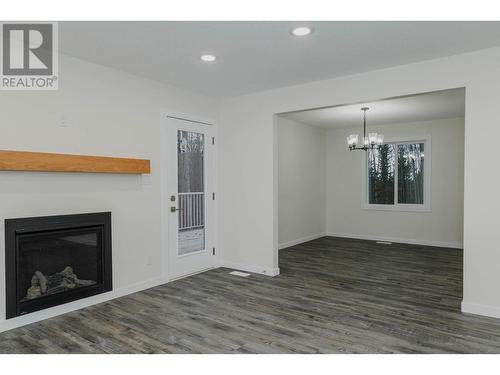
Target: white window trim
[{"x": 426, "y": 206}]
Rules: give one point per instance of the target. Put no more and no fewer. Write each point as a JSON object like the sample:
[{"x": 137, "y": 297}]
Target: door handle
[{"x": 173, "y": 209}]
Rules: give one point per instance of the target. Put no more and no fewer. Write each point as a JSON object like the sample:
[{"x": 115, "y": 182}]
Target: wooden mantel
[{"x": 48, "y": 162}]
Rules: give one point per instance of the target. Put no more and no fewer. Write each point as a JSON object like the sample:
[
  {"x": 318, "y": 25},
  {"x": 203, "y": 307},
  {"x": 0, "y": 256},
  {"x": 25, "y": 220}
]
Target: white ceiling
[
  {"x": 422, "y": 107},
  {"x": 255, "y": 56}
]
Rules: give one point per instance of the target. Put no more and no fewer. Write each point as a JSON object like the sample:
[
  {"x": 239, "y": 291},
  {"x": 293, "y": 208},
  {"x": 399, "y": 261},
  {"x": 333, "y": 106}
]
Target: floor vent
[
  {"x": 384, "y": 242},
  {"x": 238, "y": 273}
]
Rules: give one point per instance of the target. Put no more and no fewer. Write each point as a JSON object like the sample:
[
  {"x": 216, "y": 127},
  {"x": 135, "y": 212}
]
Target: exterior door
[{"x": 190, "y": 197}]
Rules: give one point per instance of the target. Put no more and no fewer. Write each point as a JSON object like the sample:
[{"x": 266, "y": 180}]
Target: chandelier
[{"x": 373, "y": 140}]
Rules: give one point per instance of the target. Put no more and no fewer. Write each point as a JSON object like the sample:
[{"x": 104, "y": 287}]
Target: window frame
[{"x": 408, "y": 207}]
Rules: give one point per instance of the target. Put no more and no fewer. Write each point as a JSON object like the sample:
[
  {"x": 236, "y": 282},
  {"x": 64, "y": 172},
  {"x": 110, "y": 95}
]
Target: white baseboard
[
  {"x": 175, "y": 278},
  {"x": 250, "y": 268},
  {"x": 300, "y": 240},
  {"x": 478, "y": 309},
  {"x": 76, "y": 305},
  {"x": 398, "y": 240}
]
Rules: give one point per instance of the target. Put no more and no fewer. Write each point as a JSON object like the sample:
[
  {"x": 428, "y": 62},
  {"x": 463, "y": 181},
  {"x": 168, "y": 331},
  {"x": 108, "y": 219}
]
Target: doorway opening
[{"x": 409, "y": 192}]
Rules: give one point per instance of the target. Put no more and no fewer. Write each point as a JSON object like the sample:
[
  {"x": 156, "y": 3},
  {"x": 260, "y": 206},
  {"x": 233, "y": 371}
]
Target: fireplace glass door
[{"x": 58, "y": 261}]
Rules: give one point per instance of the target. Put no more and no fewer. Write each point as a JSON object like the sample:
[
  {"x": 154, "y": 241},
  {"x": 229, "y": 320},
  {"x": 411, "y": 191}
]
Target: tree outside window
[{"x": 396, "y": 174}]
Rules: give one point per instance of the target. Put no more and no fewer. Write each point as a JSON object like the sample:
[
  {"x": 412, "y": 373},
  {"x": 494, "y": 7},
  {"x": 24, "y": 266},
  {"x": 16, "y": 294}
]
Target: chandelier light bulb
[
  {"x": 352, "y": 140},
  {"x": 380, "y": 139},
  {"x": 355, "y": 139}
]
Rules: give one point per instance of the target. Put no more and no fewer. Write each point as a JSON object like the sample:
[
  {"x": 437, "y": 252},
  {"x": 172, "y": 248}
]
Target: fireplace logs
[{"x": 58, "y": 282}]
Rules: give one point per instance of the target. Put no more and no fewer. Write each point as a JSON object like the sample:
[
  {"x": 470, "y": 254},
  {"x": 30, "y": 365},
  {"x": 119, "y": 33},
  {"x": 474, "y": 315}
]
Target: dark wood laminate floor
[{"x": 333, "y": 296}]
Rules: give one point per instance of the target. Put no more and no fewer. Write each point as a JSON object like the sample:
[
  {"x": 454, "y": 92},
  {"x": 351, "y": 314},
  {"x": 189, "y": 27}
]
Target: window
[{"x": 397, "y": 177}]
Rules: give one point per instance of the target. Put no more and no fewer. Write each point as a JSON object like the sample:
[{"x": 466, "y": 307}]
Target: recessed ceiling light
[
  {"x": 208, "y": 58},
  {"x": 301, "y": 31}
]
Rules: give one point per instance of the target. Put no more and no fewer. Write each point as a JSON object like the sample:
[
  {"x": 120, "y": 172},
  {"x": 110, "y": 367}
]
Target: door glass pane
[
  {"x": 191, "y": 191},
  {"x": 381, "y": 175},
  {"x": 411, "y": 173}
]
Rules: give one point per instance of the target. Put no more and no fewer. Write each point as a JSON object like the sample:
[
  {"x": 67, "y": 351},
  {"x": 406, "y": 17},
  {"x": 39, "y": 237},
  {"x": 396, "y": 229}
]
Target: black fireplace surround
[{"x": 52, "y": 260}]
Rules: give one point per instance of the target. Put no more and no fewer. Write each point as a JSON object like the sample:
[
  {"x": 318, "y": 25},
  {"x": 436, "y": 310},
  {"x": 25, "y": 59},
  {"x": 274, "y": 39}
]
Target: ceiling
[
  {"x": 423, "y": 107},
  {"x": 255, "y": 56}
]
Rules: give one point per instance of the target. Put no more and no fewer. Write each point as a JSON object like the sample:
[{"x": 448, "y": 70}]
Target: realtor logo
[{"x": 29, "y": 56}]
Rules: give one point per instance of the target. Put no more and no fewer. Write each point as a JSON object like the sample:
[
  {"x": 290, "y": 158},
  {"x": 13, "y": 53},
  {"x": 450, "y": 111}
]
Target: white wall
[
  {"x": 108, "y": 113},
  {"x": 442, "y": 226},
  {"x": 248, "y": 172},
  {"x": 302, "y": 182}
]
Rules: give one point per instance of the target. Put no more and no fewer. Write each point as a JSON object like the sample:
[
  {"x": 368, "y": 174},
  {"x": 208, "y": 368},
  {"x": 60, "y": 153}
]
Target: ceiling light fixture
[
  {"x": 373, "y": 140},
  {"x": 208, "y": 58},
  {"x": 301, "y": 31}
]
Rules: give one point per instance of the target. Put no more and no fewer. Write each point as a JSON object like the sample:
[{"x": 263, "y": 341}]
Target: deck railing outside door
[{"x": 191, "y": 210}]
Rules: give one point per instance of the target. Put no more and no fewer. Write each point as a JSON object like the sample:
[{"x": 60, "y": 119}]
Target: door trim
[{"x": 165, "y": 115}]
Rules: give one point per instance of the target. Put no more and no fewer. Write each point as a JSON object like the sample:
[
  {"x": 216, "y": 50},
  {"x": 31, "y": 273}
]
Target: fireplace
[{"x": 53, "y": 260}]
